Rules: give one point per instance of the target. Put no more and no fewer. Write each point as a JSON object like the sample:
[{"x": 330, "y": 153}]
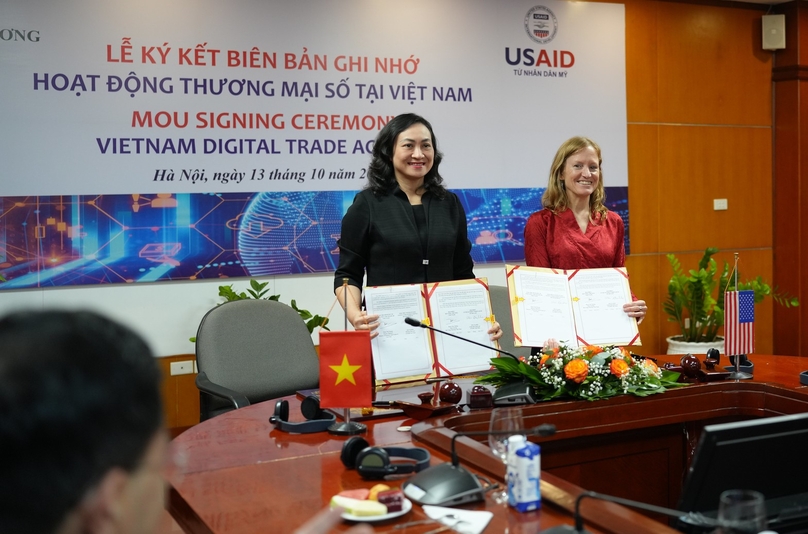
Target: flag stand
[
  {"x": 346, "y": 427},
  {"x": 737, "y": 374}
]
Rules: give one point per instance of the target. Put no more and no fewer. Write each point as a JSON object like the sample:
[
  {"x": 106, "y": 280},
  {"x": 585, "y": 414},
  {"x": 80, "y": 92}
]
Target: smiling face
[
  {"x": 413, "y": 155},
  {"x": 581, "y": 173}
]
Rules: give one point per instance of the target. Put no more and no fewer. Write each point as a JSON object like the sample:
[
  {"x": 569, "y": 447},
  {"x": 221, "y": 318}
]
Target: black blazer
[{"x": 379, "y": 235}]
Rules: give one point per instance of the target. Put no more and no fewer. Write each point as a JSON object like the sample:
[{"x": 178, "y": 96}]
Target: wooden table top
[{"x": 237, "y": 474}]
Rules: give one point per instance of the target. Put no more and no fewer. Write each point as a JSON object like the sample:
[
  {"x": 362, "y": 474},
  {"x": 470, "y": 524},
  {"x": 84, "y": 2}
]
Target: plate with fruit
[{"x": 376, "y": 504}]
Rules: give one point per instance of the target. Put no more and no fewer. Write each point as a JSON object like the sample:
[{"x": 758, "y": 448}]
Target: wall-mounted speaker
[{"x": 774, "y": 32}]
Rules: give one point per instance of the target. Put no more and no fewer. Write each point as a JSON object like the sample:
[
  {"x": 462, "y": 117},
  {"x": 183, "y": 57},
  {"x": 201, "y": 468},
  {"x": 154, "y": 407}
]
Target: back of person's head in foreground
[{"x": 81, "y": 431}]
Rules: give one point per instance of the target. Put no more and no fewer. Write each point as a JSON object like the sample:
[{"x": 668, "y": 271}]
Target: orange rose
[
  {"x": 619, "y": 368},
  {"x": 650, "y": 365},
  {"x": 544, "y": 358},
  {"x": 576, "y": 370},
  {"x": 593, "y": 349},
  {"x": 625, "y": 353}
]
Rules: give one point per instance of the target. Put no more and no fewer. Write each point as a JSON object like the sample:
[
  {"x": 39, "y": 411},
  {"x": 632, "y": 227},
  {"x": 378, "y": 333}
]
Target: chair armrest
[{"x": 206, "y": 386}]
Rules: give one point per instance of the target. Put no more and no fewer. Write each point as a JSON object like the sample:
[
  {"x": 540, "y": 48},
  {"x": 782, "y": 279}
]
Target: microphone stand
[
  {"x": 509, "y": 394},
  {"x": 543, "y": 430},
  {"x": 692, "y": 518},
  {"x": 415, "y": 322}
]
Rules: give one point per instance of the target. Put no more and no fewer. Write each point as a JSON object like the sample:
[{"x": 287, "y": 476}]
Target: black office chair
[
  {"x": 248, "y": 351},
  {"x": 501, "y": 306}
]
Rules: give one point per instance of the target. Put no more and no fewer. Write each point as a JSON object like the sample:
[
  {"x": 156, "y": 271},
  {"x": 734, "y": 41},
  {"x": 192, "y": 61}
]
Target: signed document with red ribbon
[
  {"x": 576, "y": 307},
  {"x": 402, "y": 352}
]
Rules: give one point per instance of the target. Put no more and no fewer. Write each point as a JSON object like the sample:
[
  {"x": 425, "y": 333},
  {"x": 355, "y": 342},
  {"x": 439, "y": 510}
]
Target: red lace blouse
[{"x": 556, "y": 241}]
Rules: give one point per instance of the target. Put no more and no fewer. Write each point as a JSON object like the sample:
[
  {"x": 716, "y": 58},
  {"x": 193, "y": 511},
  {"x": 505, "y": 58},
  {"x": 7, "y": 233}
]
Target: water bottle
[
  {"x": 526, "y": 478},
  {"x": 514, "y": 443}
]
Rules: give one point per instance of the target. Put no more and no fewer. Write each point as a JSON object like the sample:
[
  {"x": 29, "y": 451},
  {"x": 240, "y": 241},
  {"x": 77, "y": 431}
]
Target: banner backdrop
[{"x": 150, "y": 141}]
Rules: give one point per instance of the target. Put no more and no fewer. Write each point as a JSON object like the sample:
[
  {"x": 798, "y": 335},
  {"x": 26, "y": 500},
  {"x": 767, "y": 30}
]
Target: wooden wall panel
[
  {"x": 644, "y": 188},
  {"x": 699, "y": 164},
  {"x": 711, "y": 67},
  {"x": 790, "y": 173},
  {"x": 180, "y": 396},
  {"x": 796, "y": 51},
  {"x": 699, "y": 128},
  {"x": 644, "y": 277},
  {"x": 787, "y": 216},
  {"x": 642, "y": 62}
]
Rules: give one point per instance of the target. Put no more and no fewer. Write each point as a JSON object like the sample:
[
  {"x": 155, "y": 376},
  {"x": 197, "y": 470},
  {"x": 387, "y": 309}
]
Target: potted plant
[
  {"x": 257, "y": 290},
  {"x": 696, "y": 302}
]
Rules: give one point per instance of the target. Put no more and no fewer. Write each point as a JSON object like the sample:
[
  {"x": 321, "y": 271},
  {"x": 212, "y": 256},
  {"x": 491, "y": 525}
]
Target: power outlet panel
[{"x": 182, "y": 368}]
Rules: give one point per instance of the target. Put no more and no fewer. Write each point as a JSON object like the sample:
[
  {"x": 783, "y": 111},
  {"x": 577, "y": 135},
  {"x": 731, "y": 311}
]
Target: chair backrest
[
  {"x": 260, "y": 348},
  {"x": 501, "y": 305}
]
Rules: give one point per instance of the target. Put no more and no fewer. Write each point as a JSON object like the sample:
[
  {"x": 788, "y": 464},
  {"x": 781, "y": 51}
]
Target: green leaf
[
  {"x": 258, "y": 290},
  {"x": 695, "y": 300}
]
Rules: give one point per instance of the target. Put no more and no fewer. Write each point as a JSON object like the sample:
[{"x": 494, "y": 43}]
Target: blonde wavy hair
[{"x": 555, "y": 196}]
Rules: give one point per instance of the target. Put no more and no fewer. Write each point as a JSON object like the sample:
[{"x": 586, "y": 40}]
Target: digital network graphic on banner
[{"x": 194, "y": 139}]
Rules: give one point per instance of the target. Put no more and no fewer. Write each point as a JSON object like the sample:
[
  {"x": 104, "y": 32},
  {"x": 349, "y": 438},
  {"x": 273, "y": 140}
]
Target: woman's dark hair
[{"x": 382, "y": 175}]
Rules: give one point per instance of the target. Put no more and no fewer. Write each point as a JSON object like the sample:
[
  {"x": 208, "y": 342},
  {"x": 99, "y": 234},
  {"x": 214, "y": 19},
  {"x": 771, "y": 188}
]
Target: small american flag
[{"x": 739, "y": 322}]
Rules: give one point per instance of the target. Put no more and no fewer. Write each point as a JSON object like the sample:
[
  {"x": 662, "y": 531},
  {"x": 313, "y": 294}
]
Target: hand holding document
[
  {"x": 577, "y": 307},
  {"x": 404, "y": 352}
]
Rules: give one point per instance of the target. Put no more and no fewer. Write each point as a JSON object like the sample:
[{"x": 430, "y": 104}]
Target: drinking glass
[
  {"x": 508, "y": 419},
  {"x": 741, "y": 512}
]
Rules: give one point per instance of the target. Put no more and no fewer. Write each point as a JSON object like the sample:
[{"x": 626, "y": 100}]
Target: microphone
[
  {"x": 509, "y": 394},
  {"x": 449, "y": 484},
  {"x": 691, "y": 518},
  {"x": 541, "y": 430},
  {"x": 415, "y": 322}
]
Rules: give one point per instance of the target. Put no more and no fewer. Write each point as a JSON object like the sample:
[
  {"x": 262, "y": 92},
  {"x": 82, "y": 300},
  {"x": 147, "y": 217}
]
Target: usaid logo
[{"x": 541, "y": 24}]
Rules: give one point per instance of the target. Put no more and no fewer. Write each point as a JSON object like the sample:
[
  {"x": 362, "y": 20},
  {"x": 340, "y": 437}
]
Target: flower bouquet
[{"x": 589, "y": 372}]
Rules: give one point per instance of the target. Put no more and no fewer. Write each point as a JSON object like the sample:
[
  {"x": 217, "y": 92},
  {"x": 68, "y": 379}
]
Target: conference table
[{"x": 236, "y": 473}]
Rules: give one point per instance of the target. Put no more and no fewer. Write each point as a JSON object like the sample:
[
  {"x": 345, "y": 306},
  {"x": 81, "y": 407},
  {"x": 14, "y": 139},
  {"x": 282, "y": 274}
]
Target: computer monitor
[{"x": 769, "y": 455}]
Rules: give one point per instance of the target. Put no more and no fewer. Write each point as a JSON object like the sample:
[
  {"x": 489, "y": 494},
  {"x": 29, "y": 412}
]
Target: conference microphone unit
[
  {"x": 449, "y": 484},
  {"x": 691, "y": 518},
  {"x": 520, "y": 393}
]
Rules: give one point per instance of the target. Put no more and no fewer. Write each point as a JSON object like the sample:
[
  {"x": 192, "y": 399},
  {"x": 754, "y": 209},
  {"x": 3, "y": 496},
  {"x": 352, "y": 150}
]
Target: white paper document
[
  {"x": 576, "y": 307},
  {"x": 401, "y": 351}
]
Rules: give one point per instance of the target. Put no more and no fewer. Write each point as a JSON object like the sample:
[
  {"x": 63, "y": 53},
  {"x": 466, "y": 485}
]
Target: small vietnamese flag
[{"x": 345, "y": 365}]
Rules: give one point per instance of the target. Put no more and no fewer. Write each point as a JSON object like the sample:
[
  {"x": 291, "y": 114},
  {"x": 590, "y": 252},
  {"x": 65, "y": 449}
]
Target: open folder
[
  {"x": 402, "y": 352},
  {"x": 577, "y": 307}
]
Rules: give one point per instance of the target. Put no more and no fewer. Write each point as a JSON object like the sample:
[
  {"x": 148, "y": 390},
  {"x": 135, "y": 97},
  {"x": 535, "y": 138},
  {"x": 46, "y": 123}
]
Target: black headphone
[
  {"x": 374, "y": 462},
  {"x": 317, "y": 420}
]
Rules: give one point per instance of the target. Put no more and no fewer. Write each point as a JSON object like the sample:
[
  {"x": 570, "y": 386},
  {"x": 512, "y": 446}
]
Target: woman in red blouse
[{"x": 575, "y": 230}]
